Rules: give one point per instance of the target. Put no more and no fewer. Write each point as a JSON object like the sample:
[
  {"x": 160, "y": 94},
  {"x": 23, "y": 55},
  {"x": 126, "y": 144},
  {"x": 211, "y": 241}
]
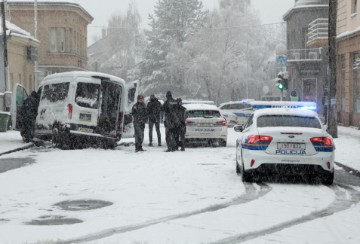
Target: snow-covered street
[{"x": 156, "y": 197}]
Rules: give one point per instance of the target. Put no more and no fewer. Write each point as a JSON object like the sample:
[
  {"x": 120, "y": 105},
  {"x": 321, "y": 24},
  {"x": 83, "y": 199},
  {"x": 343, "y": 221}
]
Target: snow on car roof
[
  {"x": 236, "y": 102},
  {"x": 285, "y": 111},
  {"x": 198, "y": 106},
  {"x": 198, "y": 102}
]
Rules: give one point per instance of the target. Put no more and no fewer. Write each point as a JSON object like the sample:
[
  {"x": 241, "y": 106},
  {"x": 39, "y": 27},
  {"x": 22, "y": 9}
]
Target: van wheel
[{"x": 223, "y": 143}]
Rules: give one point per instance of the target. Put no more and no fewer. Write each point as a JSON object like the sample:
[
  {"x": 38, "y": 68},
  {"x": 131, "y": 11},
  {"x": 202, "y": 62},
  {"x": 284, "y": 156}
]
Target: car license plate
[
  {"x": 86, "y": 130},
  {"x": 204, "y": 130},
  {"x": 85, "y": 117},
  {"x": 291, "y": 146}
]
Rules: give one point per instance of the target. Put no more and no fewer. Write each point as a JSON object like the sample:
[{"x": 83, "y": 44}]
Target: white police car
[
  {"x": 236, "y": 112},
  {"x": 205, "y": 125},
  {"x": 284, "y": 141}
]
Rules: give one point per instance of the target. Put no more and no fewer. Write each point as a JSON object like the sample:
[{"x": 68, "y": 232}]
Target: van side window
[
  {"x": 87, "y": 95},
  {"x": 56, "y": 92}
]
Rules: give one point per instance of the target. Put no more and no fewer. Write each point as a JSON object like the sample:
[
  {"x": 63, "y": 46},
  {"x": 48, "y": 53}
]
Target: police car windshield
[
  {"x": 204, "y": 114},
  {"x": 288, "y": 121}
]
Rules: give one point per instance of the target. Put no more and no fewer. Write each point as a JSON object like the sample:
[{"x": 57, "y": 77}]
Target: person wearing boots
[
  {"x": 140, "y": 114},
  {"x": 170, "y": 115},
  {"x": 180, "y": 129},
  {"x": 29, "y": 112},
  {"x": 154, "y": 111}
]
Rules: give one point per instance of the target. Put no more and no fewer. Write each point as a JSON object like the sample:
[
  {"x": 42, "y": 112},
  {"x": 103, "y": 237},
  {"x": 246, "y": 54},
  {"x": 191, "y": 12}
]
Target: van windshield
[{"x": 87, "y": 95}]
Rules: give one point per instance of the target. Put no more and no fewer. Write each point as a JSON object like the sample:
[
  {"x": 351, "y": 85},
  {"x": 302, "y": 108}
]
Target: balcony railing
[
  {"x": 318, "y": 32},
  {"x": 302, "y": 55}
]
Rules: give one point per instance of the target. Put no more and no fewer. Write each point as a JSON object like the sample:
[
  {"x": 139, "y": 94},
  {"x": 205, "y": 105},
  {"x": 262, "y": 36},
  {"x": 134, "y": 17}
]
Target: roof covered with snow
[
  {"x": 52, "y": 2},
  {"x": 14, "y": 30},
  {"x": 201, "y": 107},
  {"x": 285, "y": 111}
]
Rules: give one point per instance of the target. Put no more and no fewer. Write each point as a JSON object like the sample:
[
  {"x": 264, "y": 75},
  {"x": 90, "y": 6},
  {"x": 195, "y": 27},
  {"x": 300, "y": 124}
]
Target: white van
[{"x": 81, "y": 107}]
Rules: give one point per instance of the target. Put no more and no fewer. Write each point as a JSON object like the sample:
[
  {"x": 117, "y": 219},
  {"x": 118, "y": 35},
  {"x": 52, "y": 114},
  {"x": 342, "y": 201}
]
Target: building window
[
  {"x": 62, "y": 40},
  {"x": 342, "y": 82},
  {"x": 353, "y": 6},
  {"x": 53, "y": 46},
  {"x": 356, "y": 81}
]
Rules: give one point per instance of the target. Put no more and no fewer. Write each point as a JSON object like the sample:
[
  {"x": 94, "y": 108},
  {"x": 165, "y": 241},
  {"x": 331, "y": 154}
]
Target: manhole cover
[
  {"x": 54, "y": 220},
  {"x": 78, "y": 205}
]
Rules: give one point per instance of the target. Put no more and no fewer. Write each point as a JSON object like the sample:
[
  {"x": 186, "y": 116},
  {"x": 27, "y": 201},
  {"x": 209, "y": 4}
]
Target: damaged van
[{"x": 81, "y": 108}]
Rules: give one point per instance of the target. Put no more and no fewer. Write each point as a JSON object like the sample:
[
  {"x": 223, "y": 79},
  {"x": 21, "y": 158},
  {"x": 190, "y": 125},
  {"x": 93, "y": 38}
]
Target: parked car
[
  {"x": 205, "y": 125},
  {"x": 286, "y": 142},
  {"x": 236, "y": 112},
  {"x": 81, "y": 107}
]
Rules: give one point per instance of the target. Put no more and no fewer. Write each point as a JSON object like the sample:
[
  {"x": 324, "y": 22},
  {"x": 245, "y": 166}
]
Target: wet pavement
[{"x": 7, "y": 164}]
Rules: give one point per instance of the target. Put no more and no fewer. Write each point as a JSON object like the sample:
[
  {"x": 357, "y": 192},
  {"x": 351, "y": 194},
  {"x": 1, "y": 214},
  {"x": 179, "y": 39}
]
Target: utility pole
[
  {"x": 332, "y": 120},
  {"x": 4, "y": 42},
  {"x": 36, "y": 36}
]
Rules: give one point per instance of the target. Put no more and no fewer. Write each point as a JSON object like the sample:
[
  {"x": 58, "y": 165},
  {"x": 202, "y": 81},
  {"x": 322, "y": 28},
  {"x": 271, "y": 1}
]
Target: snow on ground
[
  {"x": 142, "y": 186},
  {"x": 348, "y": 147},
  {"x": 169, "y": 194},
  {"x": 339, "y": 228},
  {"x": 11, "y": 140}
]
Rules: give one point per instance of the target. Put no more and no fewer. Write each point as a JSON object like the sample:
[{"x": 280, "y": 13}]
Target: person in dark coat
[
  {"x": 180, "y": 126},
  {"x": 140, "y": 114},
  {"x": 170, "y": 115},
  {"x": 28, "y": 113},
  {"x": 154, "y": 111}
]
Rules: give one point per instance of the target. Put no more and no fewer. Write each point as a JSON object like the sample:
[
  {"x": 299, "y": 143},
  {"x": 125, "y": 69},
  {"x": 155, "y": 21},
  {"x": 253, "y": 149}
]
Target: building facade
[
  {"x": 307, "y": 45},
  {"x": 62, "y": 32},
  {"x": 21, "y": 50},
  {"x": 348, "y": 62}
]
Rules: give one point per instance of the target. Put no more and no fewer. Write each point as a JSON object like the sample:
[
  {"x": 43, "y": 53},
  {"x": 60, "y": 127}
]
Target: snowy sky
[{"x": 270, "y": 11}]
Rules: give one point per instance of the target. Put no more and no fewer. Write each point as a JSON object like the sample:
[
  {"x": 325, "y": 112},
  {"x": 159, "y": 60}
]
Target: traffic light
[{"x": 280, "y": 85}]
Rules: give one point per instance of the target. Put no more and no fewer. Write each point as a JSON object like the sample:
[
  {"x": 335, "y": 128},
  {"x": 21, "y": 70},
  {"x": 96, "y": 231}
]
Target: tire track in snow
[
  {"x": 251, "y": 194},
  {"x": 340, "y": 204}
]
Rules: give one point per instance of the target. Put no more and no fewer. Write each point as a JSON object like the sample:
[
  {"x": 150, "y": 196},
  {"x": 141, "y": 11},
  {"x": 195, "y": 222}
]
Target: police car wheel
[
  {"x": 327, "y": 179},
  {"x": 238, "y": 170}
]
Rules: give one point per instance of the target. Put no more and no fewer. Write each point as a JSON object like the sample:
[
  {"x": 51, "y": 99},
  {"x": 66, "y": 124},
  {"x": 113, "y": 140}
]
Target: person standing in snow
[
  {"x": 168, "y": 109},
  {"x": 29, "y": 112},
  {"x": 154, "y": 111},
  {"x": 180, "y": 126},
  {"x": 140, "y": 114}
]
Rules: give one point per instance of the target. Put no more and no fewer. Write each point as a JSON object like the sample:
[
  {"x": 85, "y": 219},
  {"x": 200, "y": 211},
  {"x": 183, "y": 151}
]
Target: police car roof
[
  {"x": 285, "y": 111},
  {"x": 199, "y": 106}
]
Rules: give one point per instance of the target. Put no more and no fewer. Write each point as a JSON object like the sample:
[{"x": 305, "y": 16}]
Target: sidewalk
[
  {"x": 347, "y": 145},
  {"x": 11, "y": 140}
]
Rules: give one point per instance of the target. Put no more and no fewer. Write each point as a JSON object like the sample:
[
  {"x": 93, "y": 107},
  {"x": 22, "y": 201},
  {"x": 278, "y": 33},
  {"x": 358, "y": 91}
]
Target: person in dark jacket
[
  {"x": 140, "y": 114},
  {"x": 180, "y": 126},
  {"x": 170, "y": 116},
  {"x": 29, "y": 112},
  {"x": 154, "y": 111}
]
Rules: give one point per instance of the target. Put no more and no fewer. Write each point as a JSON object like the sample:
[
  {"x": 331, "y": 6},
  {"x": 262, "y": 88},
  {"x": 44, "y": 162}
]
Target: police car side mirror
[{"x": 238, "y": 128}]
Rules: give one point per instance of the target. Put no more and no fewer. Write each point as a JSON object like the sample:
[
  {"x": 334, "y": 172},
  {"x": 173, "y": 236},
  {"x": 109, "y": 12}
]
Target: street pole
[
  {"x": 36, "y": 36},
  {"x": 332, "y": 121},
  {"x": 4, "y": 42}
]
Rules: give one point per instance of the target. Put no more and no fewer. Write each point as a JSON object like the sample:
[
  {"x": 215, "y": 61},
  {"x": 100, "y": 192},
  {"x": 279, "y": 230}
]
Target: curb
[
  {"x": 17, "y": 149},
  {"x": 349, "y": 169}
]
